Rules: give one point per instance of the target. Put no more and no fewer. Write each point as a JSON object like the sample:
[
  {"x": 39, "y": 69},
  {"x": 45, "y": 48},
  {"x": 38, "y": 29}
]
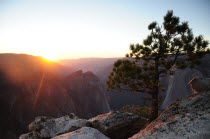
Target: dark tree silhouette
[{"x": 168, "y": 46}]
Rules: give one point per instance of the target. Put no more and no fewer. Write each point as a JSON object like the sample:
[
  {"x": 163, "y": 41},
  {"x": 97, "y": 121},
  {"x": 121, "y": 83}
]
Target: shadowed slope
[{"x": 31, "y": 87}]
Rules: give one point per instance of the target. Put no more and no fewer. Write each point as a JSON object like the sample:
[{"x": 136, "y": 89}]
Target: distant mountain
[
  {"x": 20, "y": 64},
  {"x": 32, "y": 86},
  {"x": 176, "y": 85},
  {"x": 88, "y": 93},
  {"x": 102, "y": 68},
  {"x": 95, "y": 65}
]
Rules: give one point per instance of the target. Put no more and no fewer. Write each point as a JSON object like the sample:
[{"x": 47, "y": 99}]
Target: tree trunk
[
  {"x": 154, "y": 113},
  {"x": 155, "y": 93}
]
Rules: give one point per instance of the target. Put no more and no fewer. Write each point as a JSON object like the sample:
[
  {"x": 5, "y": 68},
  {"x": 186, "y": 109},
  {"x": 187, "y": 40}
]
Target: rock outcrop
[
  {"x": 88, "y": 94},
  {"x": 178, "y": 86},
  {"x": 46, "y": 127},
  {"x": 117, "y": 125},
  {"x": 186, "y": 118},
  {"x": 83, "y": 133}
]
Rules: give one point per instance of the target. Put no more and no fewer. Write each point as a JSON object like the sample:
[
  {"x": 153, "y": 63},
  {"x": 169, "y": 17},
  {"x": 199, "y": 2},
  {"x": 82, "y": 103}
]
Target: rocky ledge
[
  {"x": 186, "y": 118},
  {"x": 47, "y": 127},
  {"x": 83, "y": 133},
  {"x": 115, "y": 124}
]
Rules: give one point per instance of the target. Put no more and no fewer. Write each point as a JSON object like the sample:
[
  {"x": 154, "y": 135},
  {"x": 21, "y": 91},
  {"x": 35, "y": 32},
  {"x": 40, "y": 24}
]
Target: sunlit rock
[
  {"x": 187, "y": 118},
  {"x": 83, "y": 133}
]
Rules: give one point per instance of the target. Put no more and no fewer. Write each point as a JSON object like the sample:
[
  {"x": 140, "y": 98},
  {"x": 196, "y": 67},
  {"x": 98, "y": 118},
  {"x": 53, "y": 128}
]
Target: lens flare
[{"x": 38, "y": 90}]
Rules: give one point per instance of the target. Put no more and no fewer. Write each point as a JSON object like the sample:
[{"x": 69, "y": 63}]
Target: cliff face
[
  {"x": 88, "y": 94},
  {"x": 30, "y": 87},
  {"x": 187, "y": 118},
  {"x": 178, "y": 86}
]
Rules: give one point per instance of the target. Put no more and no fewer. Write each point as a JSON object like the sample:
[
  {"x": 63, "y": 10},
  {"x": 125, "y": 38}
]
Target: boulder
[
  {"x": 46, "y": 127},
  {"x": 187, "y": 118},
  {"x": 83, "y": 133},
  {"x": 199, "y": 84},
  {"x": 117, "y": 125}
]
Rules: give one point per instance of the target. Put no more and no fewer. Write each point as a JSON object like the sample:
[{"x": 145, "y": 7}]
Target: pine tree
[{"x": 168, "y": 46}]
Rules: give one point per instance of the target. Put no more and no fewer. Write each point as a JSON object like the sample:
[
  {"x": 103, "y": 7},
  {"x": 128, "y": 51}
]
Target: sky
[{"x": 66, "y": 29}]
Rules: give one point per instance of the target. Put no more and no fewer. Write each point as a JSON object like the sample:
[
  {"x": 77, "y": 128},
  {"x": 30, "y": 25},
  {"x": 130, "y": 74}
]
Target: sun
[{"x": 50, "y": 56}]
